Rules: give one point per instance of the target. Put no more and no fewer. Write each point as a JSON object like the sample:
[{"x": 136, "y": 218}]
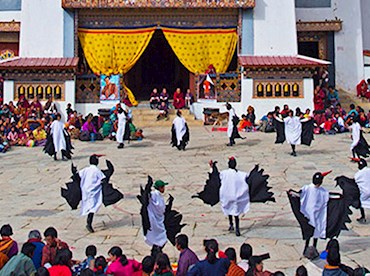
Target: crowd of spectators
[
  {"x": 27, "y": 124},
  {"x": 54, "y": 258}
]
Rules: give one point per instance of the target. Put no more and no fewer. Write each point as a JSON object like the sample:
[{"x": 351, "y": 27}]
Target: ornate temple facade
[{"x": 263, "y": 53}]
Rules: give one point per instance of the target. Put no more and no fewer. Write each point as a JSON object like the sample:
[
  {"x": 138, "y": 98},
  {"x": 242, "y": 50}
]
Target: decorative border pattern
[
  {"x": 10, "y": 27},
  {"x": 319, "y": 26},
  {"x": 83, "y": 4}
]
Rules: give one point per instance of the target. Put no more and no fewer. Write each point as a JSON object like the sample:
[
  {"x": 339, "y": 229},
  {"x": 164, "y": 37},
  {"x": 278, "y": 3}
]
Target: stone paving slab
[{"x": 30, "y": 182}]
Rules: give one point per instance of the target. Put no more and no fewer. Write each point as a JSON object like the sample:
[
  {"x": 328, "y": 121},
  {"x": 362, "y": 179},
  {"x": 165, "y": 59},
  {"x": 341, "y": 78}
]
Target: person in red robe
[
  {"x": 178, "y": 99},
  {"x": 319, "y": 98},
  {"x": 362, "y": 89}
]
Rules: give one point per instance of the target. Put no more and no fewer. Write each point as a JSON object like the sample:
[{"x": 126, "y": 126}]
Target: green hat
[{"x": 160, "y": 183}]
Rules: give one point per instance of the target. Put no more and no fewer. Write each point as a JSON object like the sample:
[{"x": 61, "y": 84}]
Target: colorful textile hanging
[
  {"x": 197, "y": 48},
  {"x": 114, "y": 51}
]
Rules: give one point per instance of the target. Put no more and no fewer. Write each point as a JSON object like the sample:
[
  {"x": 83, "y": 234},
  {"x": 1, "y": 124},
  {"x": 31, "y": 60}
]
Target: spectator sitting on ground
[
  {"x": 285, "y": 111},
  {"x": 301, "y": 271},
  {"x": 362, "y": 89},
  {"x": 147, "y": 267},
  {"x": 333, "y": 96},
  {"x": 189, "y": 98},
  {"x": 256, "y": 267},
  {"x": 8, "y": 247},
  {"x": 135, "y": 134},
  {"x": 34, "y": 237},
  {"x": 234, "y": 269},
  {"x": 100, "y": 266},
  {"x": 267, "y": 123},
  {"x": 246, "y": 251},
  {"x": 89, "y": 262},
  {"x": 21, "y": 264},
  {"x": 12, "y": 136},
  {"x": 163, "y": 112},
  {"x": 53, "y": 245},
  {"x": 120, "y": 264},
  {"x": 307, "y": 113},
  {"x": 163, "y": 97},
  {"x": 187, "y": 257},
  {"x": 62, "y": 264},
  {"x": 162, "y": 266}
]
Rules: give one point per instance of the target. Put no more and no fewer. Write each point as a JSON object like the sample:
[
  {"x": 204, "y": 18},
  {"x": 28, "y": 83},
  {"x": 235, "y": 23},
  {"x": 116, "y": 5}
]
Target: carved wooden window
[
  {"x": 43, "y": 91},
  {"x": 276, "y": 89}
]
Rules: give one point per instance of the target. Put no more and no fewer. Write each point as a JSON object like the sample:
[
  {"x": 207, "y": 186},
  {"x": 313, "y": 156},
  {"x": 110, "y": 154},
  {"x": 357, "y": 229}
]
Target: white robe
[
  {"x": 234, "y": 192},
  {"x": 91, "y": 188},
  {"x": 180, "y": 128},
  {"x": 314, "y": 202},
  {"x": 230, "y": 124},
  {"x": 293, "y": 130},
  {"x": 356, "y": 128},
  {"x": 121, "y": 127},
  {"x": 362, "y": 178},
  {"x": 57, "y": 131},
  {"x": 156, "y": 208}
]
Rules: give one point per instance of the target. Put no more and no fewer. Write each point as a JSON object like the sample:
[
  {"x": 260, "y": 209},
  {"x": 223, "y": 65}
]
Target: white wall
[
  {"x": 275, "y": 28},
  {"x": 42, "y": 29},
  {"x": 365, "y": 16},
  {"x": 8, "y": 91},
  {"x": 348, "y": 42},
  {"x": 7, "y": 16},
  {"x": 261, "y": 106}
]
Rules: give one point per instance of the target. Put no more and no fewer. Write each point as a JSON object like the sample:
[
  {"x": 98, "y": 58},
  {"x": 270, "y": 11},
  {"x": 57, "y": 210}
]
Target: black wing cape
[
  {"x": 172, "y": 218},
  {"x": 337, "y": 215},
  {"x": 126, "y": 136},
  {"x": 257, "y": 182},
  {"x": 185, "y": 139},
  {"x": 235, "y": 134},
  {"x": 172, "y": 222},
  {"x": 362, "y": 147},
  {"x": 110, "y": 194},
  {"x": 73, "y": 194},
  {"x": 351, "y": 192},
  {"x": 50, "y": 149},
  {"x": 306, "y": 136}
]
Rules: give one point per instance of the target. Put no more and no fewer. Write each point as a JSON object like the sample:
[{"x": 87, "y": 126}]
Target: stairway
[
  {"x": 144, "y": 116},
  {"x": 347, "y": 98}
]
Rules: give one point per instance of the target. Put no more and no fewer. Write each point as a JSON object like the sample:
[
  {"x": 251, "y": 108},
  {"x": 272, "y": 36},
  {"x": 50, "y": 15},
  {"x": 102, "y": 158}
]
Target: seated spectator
[
  {"x": 163, "y": 111},
  {"x": 362, "y": 118},
  {"x": 256, "y": 267},
  {"x": 187, "y": 257},
  {"x": 100, "y": 266},
  {"x": 89, "y": 262},
  {"x": 53, "y": 245},
  {"x": 189, "y": 99},
  {"x": 147, "y": 266},
  {"x": 334, "y": 265},
  {"x": 34, "y": 237},
  {"x": 22, "y": 137},
  {"x": 339, "y": 125},
  {"x": 42, "y": 271},
  {"x": 106, "y": 129},
  {"x": 8, "y": 247},
  {"x": 36, "y": 107},
  {"x": 307, "y": 113},
  {"x": 333, "y": 96},
  {"x": 353, "y": 112},
  {"x": 211, "y": 265},
  {"x": 246, "y": 252},
  {"x": 121, "y": 266},
  {"x": 69, "y": 111},
  {"x": 162, "y": 266},
  {"x": 362, "y": 89},
  {"x": 234, "y": 269},
  {"x": 163, "y": 97},
  {"x": 301, "y": 271},
  {"x": 178, "y": 99},
  {"x": 12, "y": 136},
  {"x": 154, "y": 99},
  {"x": 50, "y": 107},
  {"x": 62, "y": 264},
  {"x": 40, "y": 136},
  {"x": 88, "y": 130},
  {"x": 4, "y": 147},
  {"x": 135, "y": 134},
  {"x": 267, "y": 123},
  {"x": 21, "y": 264}
]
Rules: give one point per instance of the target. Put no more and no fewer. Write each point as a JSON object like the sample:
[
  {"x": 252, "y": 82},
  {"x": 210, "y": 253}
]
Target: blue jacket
[{"x": 37, "y": 255}]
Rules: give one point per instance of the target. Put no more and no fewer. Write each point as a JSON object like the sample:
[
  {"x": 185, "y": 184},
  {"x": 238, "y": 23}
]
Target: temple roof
[
  {"x": 39, "y": 63},
  {"x": 83, "y": 4},
  {"x": 281, "y": 61}
]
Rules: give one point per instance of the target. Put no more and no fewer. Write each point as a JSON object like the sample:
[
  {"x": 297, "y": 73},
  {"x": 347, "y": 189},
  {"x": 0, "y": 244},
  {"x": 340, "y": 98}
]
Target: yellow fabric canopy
[
  {"x": 114, "y": 51},
  {"x": 198, "y": 48}
]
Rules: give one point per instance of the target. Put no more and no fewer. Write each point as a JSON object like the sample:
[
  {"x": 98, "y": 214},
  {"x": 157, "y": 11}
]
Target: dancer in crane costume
[
  {"x": 91, "y": 186},
  {"x": 235, "y": 190}
]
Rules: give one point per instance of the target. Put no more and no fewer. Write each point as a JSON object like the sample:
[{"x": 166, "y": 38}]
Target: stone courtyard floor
[{"x": 30, "y": 198}]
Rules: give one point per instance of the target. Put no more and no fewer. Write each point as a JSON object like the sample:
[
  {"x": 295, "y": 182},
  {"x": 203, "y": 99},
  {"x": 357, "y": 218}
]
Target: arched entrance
[{"x": 158, "y": 67}]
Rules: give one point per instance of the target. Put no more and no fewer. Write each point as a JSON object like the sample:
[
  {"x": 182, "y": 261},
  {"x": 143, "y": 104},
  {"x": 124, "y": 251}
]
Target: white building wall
[
  {"x": 8, "y": 91},
  {"x": 365, "y": 16},
  {"x": 7, "y": 16},
  {"x": 348, "y": 42},
  {"x": 275, "y": 28},
  {"x": 42, "y": 29}
]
